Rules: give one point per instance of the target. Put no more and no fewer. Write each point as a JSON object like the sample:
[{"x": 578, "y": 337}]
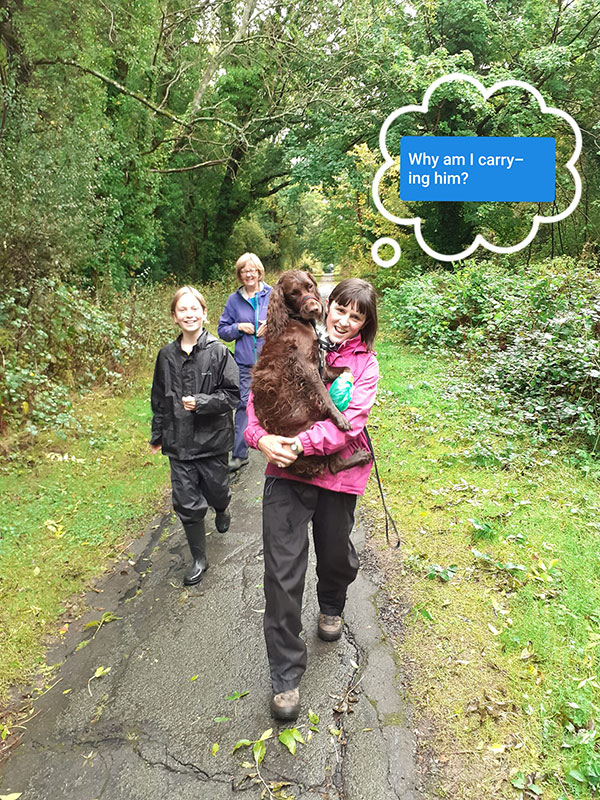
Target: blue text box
[{"x": 476, "y": 168}]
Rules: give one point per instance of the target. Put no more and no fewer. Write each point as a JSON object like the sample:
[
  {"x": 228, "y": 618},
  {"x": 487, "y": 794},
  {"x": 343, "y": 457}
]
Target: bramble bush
[
  {"x": 532, "y": 333},
  {"x": 55, "y": 339}
]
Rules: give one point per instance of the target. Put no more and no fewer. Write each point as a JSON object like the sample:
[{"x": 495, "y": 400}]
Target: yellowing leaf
[
  {"x": 494, "y": 630},
  {"x": 497, "y": 748},
  {"x": 214, "y": 749},
  {"x": 527, "y": 652},
  {"x": 13, "y": 796},
  {"x": 100, "y": 671}
]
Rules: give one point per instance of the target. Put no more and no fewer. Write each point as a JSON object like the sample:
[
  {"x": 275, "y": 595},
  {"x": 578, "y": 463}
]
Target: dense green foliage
[
  {"x": 139, "y": 141},
  {"x": 154, "y": 140},
  {"x": 58, "y": 342},
  {"x": 533, "y": 335},
  {"x": 56, "y": 339}
]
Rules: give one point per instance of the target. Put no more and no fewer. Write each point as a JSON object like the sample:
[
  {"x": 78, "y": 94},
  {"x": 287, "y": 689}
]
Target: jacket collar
[
  {"x": 354, "y": 345},
  {"x": 261, "y": 290},
  {"x": 203, "y": 339}
]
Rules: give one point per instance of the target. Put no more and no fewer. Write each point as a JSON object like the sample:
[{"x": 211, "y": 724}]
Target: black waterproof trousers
[
  {"x": 288, "y": 507},
  {"x": 198, "y": 484}
]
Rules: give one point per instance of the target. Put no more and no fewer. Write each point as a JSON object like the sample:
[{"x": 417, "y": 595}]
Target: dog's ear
[{"x": 277, "y": 312}]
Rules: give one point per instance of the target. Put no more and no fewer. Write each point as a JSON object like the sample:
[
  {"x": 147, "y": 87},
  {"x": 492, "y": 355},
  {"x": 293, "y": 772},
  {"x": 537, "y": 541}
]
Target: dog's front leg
[
  {"x": 315, "y": 383},
  {"x": 329, "y": 374}
]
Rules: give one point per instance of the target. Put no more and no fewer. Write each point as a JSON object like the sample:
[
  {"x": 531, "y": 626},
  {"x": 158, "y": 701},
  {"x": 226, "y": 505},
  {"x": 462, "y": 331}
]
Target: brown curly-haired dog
[{"x": 289, "y": 393}]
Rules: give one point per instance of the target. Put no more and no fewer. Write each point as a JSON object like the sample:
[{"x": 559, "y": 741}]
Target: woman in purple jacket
[
  {"x": 290, "y": 502},
  {"x": 244, "y": 320}
]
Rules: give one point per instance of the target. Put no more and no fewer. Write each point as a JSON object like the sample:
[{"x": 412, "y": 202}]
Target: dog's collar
[{"x": 313, "y": 296}]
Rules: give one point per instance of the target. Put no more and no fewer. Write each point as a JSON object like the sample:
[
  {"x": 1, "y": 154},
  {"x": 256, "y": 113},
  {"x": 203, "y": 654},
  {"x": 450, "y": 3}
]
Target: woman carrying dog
[
  {"x": 243, "y": 320},
  {"x": 328, "y": 500}
]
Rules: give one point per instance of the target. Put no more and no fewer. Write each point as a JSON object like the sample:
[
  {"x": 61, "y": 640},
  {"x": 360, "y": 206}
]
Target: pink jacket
[{"x": 323, "y": 438}]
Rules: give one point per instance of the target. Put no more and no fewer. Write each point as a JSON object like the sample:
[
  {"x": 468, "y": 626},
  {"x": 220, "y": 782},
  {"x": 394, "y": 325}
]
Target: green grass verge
[
  {"x": 67, "y": 507},
  {"x": 496, "y": 587}
]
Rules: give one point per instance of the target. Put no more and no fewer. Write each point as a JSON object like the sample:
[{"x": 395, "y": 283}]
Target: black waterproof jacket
[{"x": 212, "y": 376}]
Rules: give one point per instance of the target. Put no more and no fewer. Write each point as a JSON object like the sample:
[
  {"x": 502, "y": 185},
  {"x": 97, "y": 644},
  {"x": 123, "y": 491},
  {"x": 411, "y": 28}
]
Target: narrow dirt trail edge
[{"x": 147, "y": 727}]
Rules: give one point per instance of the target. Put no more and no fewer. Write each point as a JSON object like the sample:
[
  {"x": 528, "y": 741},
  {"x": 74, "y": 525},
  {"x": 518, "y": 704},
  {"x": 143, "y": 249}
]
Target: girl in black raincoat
[{"x": 195, "y": 388}]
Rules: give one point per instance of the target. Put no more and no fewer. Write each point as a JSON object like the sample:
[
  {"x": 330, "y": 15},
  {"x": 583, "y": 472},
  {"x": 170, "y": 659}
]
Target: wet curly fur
[{"x": 289, "y": 393}]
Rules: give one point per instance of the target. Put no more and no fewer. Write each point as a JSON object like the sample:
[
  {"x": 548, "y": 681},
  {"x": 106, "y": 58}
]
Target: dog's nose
[{"x": 312, "y": 306}]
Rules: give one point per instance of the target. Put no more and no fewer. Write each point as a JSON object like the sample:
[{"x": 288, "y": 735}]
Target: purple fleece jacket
[
  {"x": 323, "y": 438},
  {"x": 238, "y": 309}
]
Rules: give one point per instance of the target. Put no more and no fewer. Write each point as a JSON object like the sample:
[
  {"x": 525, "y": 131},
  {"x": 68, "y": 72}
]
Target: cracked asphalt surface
[{"x": 146, "y": 729}]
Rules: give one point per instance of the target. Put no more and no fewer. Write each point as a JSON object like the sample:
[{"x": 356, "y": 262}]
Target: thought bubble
[{"x": 498, "y": 160}]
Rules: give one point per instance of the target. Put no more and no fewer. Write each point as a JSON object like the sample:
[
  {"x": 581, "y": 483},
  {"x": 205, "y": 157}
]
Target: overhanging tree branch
[
  {"x": 140, "y": 98},
  {"x": 216, "y": 60},
  {"x": 212, "y": 163},
  {"x": 111, "y": 82}
]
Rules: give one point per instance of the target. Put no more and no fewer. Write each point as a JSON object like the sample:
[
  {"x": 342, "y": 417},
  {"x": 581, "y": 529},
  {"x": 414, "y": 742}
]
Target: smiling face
[
  {"x": 343, "y": 322},
  {"x": 250, "y": 277},
  {"x": 189, "y": 314}
]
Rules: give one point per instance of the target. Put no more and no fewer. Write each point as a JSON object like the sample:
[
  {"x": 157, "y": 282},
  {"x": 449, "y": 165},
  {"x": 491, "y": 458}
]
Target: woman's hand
[
  {"x": 276, "y": 449},
  {"x": 246, "y": 327},
  {"x": 189, "y": 402},
  {"x": 155, "y": 448},
  {"x": 262, "y": 329}
]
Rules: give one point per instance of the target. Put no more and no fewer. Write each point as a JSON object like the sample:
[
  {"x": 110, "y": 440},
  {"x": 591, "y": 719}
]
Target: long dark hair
[{"x": 359, "y": 294}]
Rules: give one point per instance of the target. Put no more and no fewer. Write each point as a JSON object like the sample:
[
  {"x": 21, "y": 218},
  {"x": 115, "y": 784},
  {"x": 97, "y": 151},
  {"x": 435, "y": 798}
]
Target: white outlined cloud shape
[{"x": 479, "y": 239}]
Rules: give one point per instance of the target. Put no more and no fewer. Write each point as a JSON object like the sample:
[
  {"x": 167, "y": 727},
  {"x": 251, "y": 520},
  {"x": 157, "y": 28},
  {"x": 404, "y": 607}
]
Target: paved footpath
[{"x": 146, "y": 729}]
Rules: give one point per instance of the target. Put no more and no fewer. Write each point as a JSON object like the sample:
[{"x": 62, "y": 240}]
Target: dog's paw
[{"x": 342, "y": 423}]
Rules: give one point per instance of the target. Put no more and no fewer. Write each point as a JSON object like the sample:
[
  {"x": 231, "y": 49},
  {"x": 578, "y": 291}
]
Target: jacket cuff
[
  {"x": 252, "y": 435},
  {"x": 307, "y": 445}
]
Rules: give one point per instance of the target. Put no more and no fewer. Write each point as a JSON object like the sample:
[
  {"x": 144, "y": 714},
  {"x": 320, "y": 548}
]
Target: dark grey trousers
[
  {"x": 288, "y": 507},
  {"x": 198, "y": 484}
]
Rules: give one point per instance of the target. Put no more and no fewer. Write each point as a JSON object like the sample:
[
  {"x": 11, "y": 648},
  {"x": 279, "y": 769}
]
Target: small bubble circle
[{"x": 385, "y": 262}]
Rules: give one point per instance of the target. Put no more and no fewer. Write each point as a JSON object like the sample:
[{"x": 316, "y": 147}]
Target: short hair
[
  {"x": 253, "y": 260},
  {"x": 359, "y": 294},
  {"x": 187, "y": 290}
]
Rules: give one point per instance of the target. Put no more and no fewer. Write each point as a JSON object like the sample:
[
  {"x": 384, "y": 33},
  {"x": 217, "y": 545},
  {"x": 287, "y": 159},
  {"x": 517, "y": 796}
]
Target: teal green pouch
[{"x": 341, "y": 390}]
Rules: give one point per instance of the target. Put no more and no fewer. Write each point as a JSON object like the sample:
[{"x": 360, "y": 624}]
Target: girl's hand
[
  {"x": 189, "y": 402},
  {"x": 155, "y": 448},
  {"x": 246, "y": 327},
  {"x": 276, "y": 449},
  {"x": 262, "y": 329}
]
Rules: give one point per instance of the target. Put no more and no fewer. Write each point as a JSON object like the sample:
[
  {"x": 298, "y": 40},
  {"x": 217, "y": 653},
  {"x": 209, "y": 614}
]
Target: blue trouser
[{"x": 240, "y": 448}]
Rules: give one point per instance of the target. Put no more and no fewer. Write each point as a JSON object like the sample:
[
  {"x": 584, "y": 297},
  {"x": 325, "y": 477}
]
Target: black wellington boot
[{"x": 196, "y": 536}]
